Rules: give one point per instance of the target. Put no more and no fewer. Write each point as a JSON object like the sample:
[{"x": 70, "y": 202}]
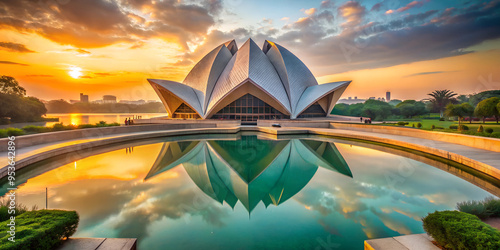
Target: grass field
[{"x": 427, "y": 124}]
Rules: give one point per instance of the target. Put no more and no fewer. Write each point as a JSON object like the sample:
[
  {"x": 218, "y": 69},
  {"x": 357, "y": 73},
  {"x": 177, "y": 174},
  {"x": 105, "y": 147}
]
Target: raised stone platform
[{"x": 99, "y": 244}]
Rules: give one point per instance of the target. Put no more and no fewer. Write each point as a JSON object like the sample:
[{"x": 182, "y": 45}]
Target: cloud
[
  {"x": 353, "y": 12},
  {"x": 389, "y": 12},
  {"x": 99, "y": 23},
  {"x": 15, "y": 47},
  {"x": 39, "y": 75},
  {"x": 310, "y": 11},
  {"x": 427, "y": 73},
  {"x": 376, "y": 7},
  {"x": 14, "y": 63},
  {"x": 410, "y": 5},
  {"x": 79, "y": 51}
]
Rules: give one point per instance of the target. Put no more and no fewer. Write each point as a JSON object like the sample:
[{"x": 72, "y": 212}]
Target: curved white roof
[{"x": 273, "y": 71}]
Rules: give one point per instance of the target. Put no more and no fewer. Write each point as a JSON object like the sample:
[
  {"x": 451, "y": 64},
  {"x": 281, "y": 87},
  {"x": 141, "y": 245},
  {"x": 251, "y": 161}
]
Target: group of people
[
  {"x": 367, "y": 120},
  {"x": 129, "y": 121}
]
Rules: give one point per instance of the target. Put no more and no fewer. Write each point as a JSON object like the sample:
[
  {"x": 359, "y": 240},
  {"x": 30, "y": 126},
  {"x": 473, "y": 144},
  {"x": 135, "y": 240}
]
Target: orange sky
[{"x": 99, "y": 56}]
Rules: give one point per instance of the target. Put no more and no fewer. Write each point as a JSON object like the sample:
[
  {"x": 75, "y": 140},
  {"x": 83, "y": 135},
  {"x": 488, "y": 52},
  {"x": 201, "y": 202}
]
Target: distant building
[
  {"x": 84, "y": 98},
  {"x": 139, "y": 102},
  {"x": 109, "y": 99},
  {"x": 388, "y": 96},
  {"x": 351, "y": 100}
]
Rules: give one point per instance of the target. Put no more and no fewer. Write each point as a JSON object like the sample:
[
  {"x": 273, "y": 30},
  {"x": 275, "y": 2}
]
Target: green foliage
[
  {"x": 458, "y": 230},
  {"x": 495, "y": 134},
  {"x": 419, "y": 125},
  {"x": 453, "y": 127},
  {"x": 9, "y": 86},
  {"x": 481, "y": 129},
  {"x": 440, "y": 98},
  {"x": 4, "y": 210},
  {"x": 488, "y": 130},
  {"x": 403, "y": 123},
  {"x": 36, "y": 129},
  {"x": 395, "y": 102},
  {"x": 14, "y": 131},
  {"x": 476, "y": 208},
  {"x": 410, "y": 108},
  {"x": 21, "y": 109},
  {"x": 42, "y": 229},
  {"x": 475, "y": 99},
  {"x": 433, "y": 126},
  {"x": 489, "y": 207},
  {"x": 487, "y": 108},
  {"x": 341, "y": 109},
  {"x": 463, "y": 127},
  {"x": 376, "y": 110},
  {"x": 441, "y": 119}
]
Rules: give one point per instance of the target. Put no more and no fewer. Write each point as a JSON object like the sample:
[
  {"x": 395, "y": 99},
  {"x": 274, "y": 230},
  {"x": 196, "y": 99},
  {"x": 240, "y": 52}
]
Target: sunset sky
[{"x": 59, "y": 48}]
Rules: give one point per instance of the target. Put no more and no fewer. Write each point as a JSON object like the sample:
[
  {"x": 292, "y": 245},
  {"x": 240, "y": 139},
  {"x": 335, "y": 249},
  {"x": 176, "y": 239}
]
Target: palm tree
[{"x": 441, "y": 98}]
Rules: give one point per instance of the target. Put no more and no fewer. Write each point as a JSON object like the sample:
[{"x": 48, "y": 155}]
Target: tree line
[
  {"x": 62, "y": 106},
  {"x": 483, "y": 105}
]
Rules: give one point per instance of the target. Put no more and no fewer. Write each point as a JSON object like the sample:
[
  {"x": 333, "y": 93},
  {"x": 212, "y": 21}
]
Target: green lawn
[{"x": 426, "y": 124}]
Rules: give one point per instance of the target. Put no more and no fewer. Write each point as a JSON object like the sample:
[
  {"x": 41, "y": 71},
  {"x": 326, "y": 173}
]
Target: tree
[
  {"x": 355, "y": 109},
  {"x": 459, "y": 110},
  {"x": 441, "y": 98},
  {"x": 376, "y": 109},
  {"x": 9, "y": 85},
  {"x": 341, "y": 109},
  {"x": 463, "y": 98},
  {"x": 468, "y": 110},
  {"x": 410, "y": 108},
  {"x": 488, "y": 108},
  {"x": 476, "y": 98}
]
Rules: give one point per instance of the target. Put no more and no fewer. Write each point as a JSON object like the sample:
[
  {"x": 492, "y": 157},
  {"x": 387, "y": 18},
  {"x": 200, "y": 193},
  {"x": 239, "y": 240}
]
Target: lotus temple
[{"x": 248, "y": 84}]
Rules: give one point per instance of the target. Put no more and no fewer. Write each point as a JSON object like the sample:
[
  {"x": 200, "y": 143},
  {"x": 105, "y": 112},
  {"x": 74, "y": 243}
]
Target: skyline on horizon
[{"x": 61, "y": 48}]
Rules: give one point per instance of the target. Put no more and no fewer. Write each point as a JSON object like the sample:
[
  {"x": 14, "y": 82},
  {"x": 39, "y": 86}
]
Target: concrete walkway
[
  {"x": 406, "y": 242},
  {"x": 99, "y": 244}
]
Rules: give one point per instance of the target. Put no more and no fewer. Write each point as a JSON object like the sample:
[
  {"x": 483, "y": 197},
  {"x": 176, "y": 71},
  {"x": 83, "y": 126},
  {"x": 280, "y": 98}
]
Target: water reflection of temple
[{"x": 250, "y": 170}]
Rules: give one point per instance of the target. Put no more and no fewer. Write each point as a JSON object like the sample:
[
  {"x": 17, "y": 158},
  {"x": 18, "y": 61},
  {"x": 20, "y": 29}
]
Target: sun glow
[{"x": 75, "y": 72}]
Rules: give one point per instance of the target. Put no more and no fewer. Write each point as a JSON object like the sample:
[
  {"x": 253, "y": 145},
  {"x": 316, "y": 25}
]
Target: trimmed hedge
[
  {"x": 458, "y": 230},
  {"x": 41, "y": 229}
]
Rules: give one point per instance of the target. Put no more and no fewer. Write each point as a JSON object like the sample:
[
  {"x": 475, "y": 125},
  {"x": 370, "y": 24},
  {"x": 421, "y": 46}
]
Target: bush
[
  {"x": 403, "y": 123},
  {"x": 453, "y": 127},
  {"x": 14, "y": 131},
  {"x": 58, "y": 127},
  {"x": 419, "y": 125},
  {"x": 441, "y": 119},
  {"x": 480, "y": 129},
  {"x": 476, "y": 208},
  {"x": 458, "y": 230},
  {"x": 463, "y": 127},
  {"x": 492, "y": 205},
  {"x": 3, "y": 133},
  {"x": 495, "y": 134},
  {"x": 433, "y": 126},
  {"x": 36, "y": 129},
  {"x": 413, "y": 125},
  {"x": 42, "y": 229},
  {"x": 489, "y": 130}
]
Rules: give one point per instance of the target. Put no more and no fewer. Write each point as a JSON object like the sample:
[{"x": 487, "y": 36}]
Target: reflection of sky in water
[{"x": 387, "y": 196}]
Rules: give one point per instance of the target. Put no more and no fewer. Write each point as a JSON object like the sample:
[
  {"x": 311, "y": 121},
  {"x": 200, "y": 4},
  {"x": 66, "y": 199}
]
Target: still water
[
  {"x": 247, "y": 191},
  {"x": 91, "y": 118}
]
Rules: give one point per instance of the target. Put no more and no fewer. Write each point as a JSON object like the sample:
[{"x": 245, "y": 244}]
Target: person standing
[{"x": 126, "y": 121}]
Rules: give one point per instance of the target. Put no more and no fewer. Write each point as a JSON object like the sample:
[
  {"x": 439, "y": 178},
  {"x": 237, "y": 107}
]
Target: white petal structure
[{"x": 249, "y": 83}]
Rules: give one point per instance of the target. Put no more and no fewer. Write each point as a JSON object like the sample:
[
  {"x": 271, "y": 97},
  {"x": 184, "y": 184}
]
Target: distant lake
[{"x": 87, "y": 118}]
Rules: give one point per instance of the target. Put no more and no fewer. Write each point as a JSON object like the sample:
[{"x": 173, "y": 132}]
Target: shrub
[
  {"x": 4, "y": 210},
  {"x": 492, "y": 205},
  {"x": 42, "y": 229},
  {"x": 476, "y": 208},
  {"x": 419, "y": 125},
  {"x": 463, "y": 127},
  {"x": 489, "y": 130},
  {"x": 3, "y": 133},
  {"x": 433, "y": 126},
  {"x": 441, "y": 119},
  {"x": 480, "y": 129},
  {"x": 453, "y": 127},
  {"x": 403, "y": 123},
  {"x": 495, "y": 134},
  {"x": 36, "y": 129},
  {"x": 439, "y": 127},
  {"x": 413, "y": 125},
  {"x": 458, "y": 230},
  {"x": 14, "y": 131},
  {"x": 58, "y": 127}
]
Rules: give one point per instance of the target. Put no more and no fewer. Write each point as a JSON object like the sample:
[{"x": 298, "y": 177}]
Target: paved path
[
  {"x": 406, "y": 242},
  {"x": 99, "y": 244}
]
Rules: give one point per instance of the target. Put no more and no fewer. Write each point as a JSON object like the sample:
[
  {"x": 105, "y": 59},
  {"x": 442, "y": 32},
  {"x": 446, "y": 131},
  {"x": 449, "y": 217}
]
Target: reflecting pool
[{"x": 248, "y": 191}]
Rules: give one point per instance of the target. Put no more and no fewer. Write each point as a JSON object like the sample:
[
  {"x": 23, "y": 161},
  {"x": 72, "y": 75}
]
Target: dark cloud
[
  {"x": 376, "y": 7},
  {"x": 410, "y": 5},
  {"x": 427, "y": 73},
  {"x": 98, "y": 23},
  {"x": 14, "y": 63},
  {"x": 15, "y": 47}
]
